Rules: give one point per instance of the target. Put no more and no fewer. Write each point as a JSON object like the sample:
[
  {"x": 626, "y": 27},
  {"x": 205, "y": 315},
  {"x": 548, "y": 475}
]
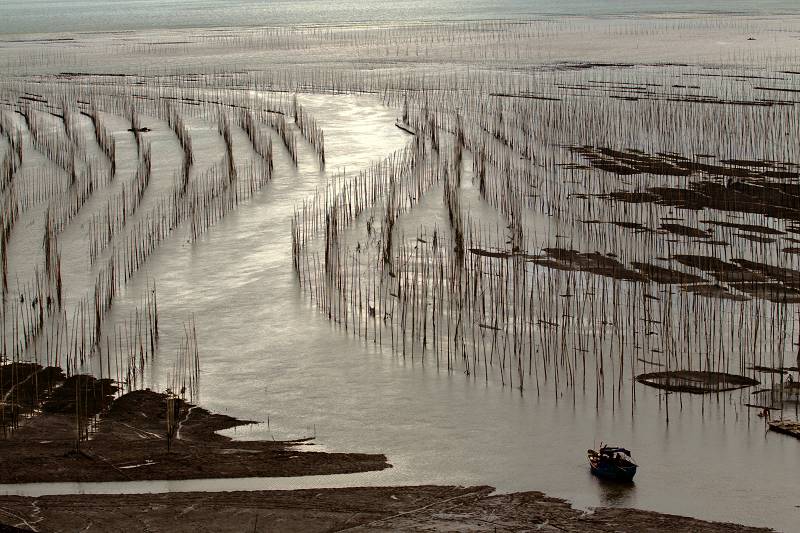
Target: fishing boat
[{"x": 612, "y": 463}]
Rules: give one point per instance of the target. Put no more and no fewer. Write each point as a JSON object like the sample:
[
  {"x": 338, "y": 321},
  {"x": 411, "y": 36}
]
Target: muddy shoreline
[
  {"x": 423, "y": 508},
  {"x": 127, "y": 442}
]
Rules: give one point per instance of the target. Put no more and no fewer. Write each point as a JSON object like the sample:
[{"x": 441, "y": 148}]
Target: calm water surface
[
  {"x": 41, "y": 16},
  {"x": 268, "y": 355}
]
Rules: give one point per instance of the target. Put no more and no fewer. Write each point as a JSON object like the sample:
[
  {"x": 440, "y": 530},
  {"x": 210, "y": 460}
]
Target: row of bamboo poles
[
  {"x": 38, "y": 320},
  {"x": 490, "y": 300}
]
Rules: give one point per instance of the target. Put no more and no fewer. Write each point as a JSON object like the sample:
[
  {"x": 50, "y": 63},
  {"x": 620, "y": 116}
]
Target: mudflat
[{"x": 423, "y": 508}]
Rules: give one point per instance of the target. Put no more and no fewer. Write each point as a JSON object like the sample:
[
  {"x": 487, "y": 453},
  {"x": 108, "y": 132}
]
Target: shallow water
[
  {"x": 41, "y": 16},
  {"x": 35, "y": 490},
  {"x": 267, "y": 354}
]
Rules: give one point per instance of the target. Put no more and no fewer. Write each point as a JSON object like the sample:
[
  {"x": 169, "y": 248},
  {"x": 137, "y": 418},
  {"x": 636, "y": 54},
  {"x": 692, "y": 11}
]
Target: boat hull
[{"x": 612, "y": 472}]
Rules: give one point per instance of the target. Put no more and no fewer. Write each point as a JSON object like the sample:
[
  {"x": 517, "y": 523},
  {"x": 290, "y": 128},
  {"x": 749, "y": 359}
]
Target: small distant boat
[{"x": 612, "y": 463}]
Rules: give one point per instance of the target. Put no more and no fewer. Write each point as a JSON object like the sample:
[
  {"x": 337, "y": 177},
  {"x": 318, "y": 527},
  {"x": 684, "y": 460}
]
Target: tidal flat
[{"x": 447, "y": 245}]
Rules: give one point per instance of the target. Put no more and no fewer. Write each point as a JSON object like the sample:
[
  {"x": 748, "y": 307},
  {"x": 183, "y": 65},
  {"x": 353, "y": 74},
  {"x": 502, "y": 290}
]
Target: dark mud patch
[
  {"x": 788, "y": 276},
  {"x": 594, "y": 262},
  {"x": 665, "y": 275},
  {"x": 777, "y": 89},
  {"x": 128, "y": 442},
  {"x": 774, "y": 292},
  {"x": 494, "y": 254},
  {"x": 712, "y": 290},
  {"x": 686, "y": 231},
  {"x": 632, "y": 225},
  {"x": 721, "y": 270},
  {"x": 737, "y": 280},
  {"x": 695, "y": 382},
  {"x": 635, "y": 197},
  {"x": 23, "y": 388},
  {"x": 755, "y": 238},
  {"x": 528, "y": 96},
  {"x": 420, "y": 508},
  {"x": 778, "y": 200},
  {"x": 747, "y": 163},
  {"x": 744, "y": 279},
  {"x": 709, "y": 99},
  {"x": 753, "y": 228},
  {"x": 631, "y": 161},
  {"x": 738, "y": 276},
  {"x": 773, "y": 370},
  {"x": 83, "y": 394},
  {"x": 635, "y": 226},
  {"x": 706, "y": 263}
]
